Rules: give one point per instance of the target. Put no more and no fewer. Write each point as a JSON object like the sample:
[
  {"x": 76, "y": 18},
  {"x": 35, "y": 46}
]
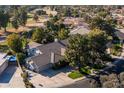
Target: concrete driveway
[
  {"x": 51, "y": 78},
  {"x": 11, "y": 78}
]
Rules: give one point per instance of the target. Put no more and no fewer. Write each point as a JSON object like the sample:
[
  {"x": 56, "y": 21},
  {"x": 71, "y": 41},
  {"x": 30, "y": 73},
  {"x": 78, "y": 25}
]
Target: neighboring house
[
  {"x": 3, "y": 62},
  {"x": 46, "y": 55},
  {"x": 80, "y": 30}
]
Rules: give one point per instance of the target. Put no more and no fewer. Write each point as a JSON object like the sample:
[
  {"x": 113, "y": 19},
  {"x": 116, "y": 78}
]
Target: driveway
[
  {"x": 7, "y": 75},
  {"x": 11, "y": 78},
  {"x": 51, "y": 78}
]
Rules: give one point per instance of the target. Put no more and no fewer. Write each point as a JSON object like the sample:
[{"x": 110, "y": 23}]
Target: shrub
[
  {"x": 111, "y": 84},
  {"x": 26, "y": 81},
  {"x": 103, "y": 78},
  {"x": 28, "y": 84},
  {"x": 75, "y": 75},
  {"x": 116, "y": 49},
  {"x": 85, "y": 70},
  {"x": 121, "y": 76},
  {"x": 24, "y": 75},
  {"x": 94, "y": 83}
]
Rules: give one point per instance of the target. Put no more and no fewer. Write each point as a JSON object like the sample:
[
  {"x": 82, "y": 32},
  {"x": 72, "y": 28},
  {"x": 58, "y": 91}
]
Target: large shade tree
[
  {"x": 87, "y": 50},
  {"x": 38, "y": 35},
  {"x": 14, "y": 43},
  {"x": 77, "y": 51},
  {"x": 97, "y": 43}
]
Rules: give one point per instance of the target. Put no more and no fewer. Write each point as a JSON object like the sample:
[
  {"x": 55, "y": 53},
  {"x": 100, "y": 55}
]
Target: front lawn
[{"x": 75, "y": 74}]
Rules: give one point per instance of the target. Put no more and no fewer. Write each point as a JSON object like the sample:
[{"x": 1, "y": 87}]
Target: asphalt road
[{"x": 79, "y": 84}]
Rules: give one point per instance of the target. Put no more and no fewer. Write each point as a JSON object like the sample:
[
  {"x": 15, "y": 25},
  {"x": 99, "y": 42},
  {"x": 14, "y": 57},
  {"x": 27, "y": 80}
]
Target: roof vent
[{"x": 56, "y": 40}]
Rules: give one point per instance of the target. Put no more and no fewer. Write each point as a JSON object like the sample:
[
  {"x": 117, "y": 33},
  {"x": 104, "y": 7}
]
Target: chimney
[{"x": 52, "y": 57}]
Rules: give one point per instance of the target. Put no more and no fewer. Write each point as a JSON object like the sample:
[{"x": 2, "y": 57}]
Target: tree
[
  {"x": 14, "y": 43},
  {"x": 77, "y": 51},
  {"x": 4, "y": 19},
  {"x": 36, "y": 17},
  {"x": 97, "y": 43},
  {"x": 21, "y": 58},
  {"x": 22, "y": 16},
  {"x": 15, "y": 23},
  {"x": 87, "y": 50},
  {"x": 97, "y": 22},
  {"x": 63, "y": 34},
  {"x": 19, "y": 17},
  {"x": 38, "y": 35},
  {"x": 24, "y": 43},
  {"x": 102, "y": 24}
]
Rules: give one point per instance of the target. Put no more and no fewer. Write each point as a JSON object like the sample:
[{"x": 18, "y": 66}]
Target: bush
[
  {"x": 98, "y": 66},
  {"x": 111, "y": 84},
  {"x": 85, "y": 70},
  {"x": 75, "y": 75},
  {"x": 26, "y": 81},
  {"x": 116, "y": 49},
  {"x": 28, "y": 84},
  {"x": 60, "y": 65},
  {"x": 94, "y": 83},
  {"x": 24, "y": 75},
  {"x": 103, "y": 78},
  {"x": 121, "y": 76}
]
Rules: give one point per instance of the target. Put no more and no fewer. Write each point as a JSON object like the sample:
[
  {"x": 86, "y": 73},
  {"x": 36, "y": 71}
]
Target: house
[
  {"x": 46, "y": 55},
  {"x": 42, "y": 56},
  {"x": 80, "y": 30}
]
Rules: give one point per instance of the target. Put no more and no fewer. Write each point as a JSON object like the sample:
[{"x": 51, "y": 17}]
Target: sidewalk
[{"x": 17, "y": 81}]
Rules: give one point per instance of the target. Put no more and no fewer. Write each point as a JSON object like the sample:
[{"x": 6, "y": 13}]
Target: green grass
[
  {"x": 86, "y": 70},
  {"x": 75, "y": 75}
]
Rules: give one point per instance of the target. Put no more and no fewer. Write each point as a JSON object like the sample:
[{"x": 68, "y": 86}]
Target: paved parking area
[{"x": 50, "y": 78}]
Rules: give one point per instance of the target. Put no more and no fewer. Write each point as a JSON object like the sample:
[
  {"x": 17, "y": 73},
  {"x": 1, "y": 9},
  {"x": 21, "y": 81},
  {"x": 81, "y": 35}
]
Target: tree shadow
[{"x": 50, "y": 72}]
